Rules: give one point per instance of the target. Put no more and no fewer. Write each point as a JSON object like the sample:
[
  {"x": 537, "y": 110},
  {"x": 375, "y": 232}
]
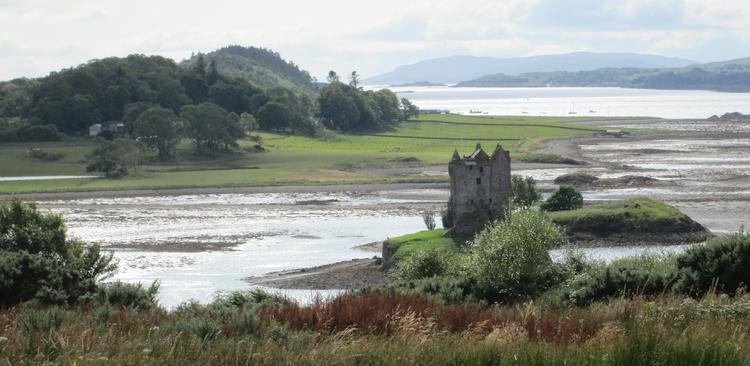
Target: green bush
[
  {"x": 509, "y": 259},
  {"x": 128, "y": 295},
  {"x": 25, "y": 276},
  {"x": 245, "y": 322},
  {"x": 722, "y": 264},
  {"x": 563, "y": 199},
  {"x": 617, "y": 280},
  {"x": 202, "y": 327},
  {"x": 441, "y": 289},
  {"x": 41, "y": 320},
  {"x": 424, "y": 264},
  {"x": 38, "y": 261},
  {"x": 523, "y": 191}
]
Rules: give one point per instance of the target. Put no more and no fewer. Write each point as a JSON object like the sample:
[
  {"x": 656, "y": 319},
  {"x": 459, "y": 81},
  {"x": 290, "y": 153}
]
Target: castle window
[
  {"x": 481, "y": 170},
  {"x": 479, "y": 180},
  {"x": 490, "y": 200}
]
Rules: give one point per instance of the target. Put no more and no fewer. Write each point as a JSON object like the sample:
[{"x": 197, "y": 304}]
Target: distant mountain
[
  {"x": 459, "y": 68},
  {"x": 731, "y": 76},
  {"x": 261, "y": 66}
]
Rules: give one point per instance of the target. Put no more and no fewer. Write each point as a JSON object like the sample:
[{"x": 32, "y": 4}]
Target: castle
[{"x": 480, "y": 189}]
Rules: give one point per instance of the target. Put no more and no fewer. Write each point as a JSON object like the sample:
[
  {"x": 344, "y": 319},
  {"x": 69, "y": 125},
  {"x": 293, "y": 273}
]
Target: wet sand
[{"x": 353, "y": 274}]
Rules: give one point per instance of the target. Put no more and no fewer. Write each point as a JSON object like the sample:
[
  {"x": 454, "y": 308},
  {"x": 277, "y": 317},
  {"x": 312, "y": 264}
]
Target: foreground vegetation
[
  {"x": 499, "y": 300},
  {"x": 288, "y": 159},
  {"x": 382, "y": 329}
]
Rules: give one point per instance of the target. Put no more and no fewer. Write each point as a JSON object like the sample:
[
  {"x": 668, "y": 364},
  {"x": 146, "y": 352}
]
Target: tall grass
[{"x": 386, "y": 329}]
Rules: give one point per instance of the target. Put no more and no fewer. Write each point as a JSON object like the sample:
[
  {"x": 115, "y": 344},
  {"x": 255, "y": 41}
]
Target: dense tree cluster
[
  {"x": 350, "y": 108},
  {"x": 121, "y": 89},
  {"x": 264, "y": 67}
]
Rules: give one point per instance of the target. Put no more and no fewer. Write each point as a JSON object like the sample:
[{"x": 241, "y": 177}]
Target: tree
[
  {"x": 157, "y": 128},
  {"x": 564, "y": 198},
  {"x": 248, "y": 122},
  {"x": 213, "y": 74},
  {"x": 332, "y": 76},
  {"x": 131, "y": 113},
  {"x": 388, "y": 105},
  {"x": 337, "y": 107},
  {"x": 273, "y": 116},
  {"x": 115, "y": 158},
  {"x": 210, "y": 127},
  {"x": 408, "y": 109},
  {"x": 354, "y": 79},
  {"x": 523, "y": 191}
]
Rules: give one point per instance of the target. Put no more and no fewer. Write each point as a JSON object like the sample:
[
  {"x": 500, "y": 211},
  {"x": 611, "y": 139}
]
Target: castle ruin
[{"x": 480, "y": 189}]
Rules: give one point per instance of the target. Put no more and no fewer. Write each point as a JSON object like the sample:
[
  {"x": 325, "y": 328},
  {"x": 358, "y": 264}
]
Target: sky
[{"x": 372, "y": 37}]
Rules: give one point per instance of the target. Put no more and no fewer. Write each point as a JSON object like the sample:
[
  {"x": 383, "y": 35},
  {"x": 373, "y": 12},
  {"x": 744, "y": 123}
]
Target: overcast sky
[{"x": 38, "y": 36}]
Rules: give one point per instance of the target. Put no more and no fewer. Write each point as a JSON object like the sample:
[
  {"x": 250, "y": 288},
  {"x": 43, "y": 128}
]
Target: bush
[
  {"x": 41, "y": 155},
  {"x": 509, "y": 258},
  {"x": 37, "y": 261},
  {"x": 424, "y": 264},
  {"x": 523, "y": 191},
  {"x": 38, "y": 320},
  {"x": 722, "y": 264},
  {"x": 130, "y": 296},
  {"x": 617, "y": 280},
  {"x": 563, "y": 199},
  {"x": 202, "y": 327},
  {"x": 441, "y": 289},
  {"x": 429, "y": 220}
]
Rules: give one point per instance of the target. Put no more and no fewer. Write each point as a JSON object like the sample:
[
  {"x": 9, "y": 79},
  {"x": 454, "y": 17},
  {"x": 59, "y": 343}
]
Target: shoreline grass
[{"x": 290, "y": 159}]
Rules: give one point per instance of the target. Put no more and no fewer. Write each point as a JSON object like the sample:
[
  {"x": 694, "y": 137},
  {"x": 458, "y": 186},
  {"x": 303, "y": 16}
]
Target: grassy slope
[
  {"x": 638, "y": 215},
  {"x": 291, "y": 159}
]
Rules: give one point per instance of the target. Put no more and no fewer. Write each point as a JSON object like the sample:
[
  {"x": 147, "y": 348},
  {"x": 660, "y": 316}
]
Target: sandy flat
[{"x": 356, "y": 273}]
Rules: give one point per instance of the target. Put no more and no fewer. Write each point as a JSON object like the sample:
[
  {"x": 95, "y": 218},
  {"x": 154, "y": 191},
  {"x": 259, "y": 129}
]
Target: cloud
[{"x": 372, "y": 37}]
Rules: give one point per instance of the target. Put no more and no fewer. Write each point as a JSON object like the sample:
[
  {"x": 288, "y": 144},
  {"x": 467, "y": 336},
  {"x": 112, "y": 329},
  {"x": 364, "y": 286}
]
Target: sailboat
[{"x": 573, "y": 110}]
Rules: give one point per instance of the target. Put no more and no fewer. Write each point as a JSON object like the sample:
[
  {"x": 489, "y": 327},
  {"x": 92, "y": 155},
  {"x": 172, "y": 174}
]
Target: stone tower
[{"x": 480, "y": 188}]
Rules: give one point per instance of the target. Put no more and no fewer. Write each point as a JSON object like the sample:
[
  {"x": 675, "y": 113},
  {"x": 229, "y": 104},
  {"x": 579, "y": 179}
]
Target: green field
[{"x": 289, "y": 160}]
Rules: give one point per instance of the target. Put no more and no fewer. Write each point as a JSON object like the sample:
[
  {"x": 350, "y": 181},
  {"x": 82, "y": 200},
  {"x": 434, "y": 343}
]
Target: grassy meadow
[{"x": 428, "y": 140}]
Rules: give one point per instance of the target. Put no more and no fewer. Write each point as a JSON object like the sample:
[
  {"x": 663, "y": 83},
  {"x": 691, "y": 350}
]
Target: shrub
[
  {"x": 523, "y": 191},
  {"x": 563, "y": 199},
  {"x": 429, "y": 220},
  {"x": 25, "y": 276},
  {"x": 202, "y": 327},
  {"x": 38, "y": 261},
  {"x": 722, "y": 264},
  {"x": 41, "y": 320},
  {"x": 245, "y": 322},
  {"x": 617, "y": 280},
  {"x": 128, "y": 295},
  {"x": 248, "y": 298},
  {"x": 424, "y": 264},
  {"x": 509, "y": 258},
  {"x": 41, "y": 155},
  {"x": 442, "y": 289}
]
